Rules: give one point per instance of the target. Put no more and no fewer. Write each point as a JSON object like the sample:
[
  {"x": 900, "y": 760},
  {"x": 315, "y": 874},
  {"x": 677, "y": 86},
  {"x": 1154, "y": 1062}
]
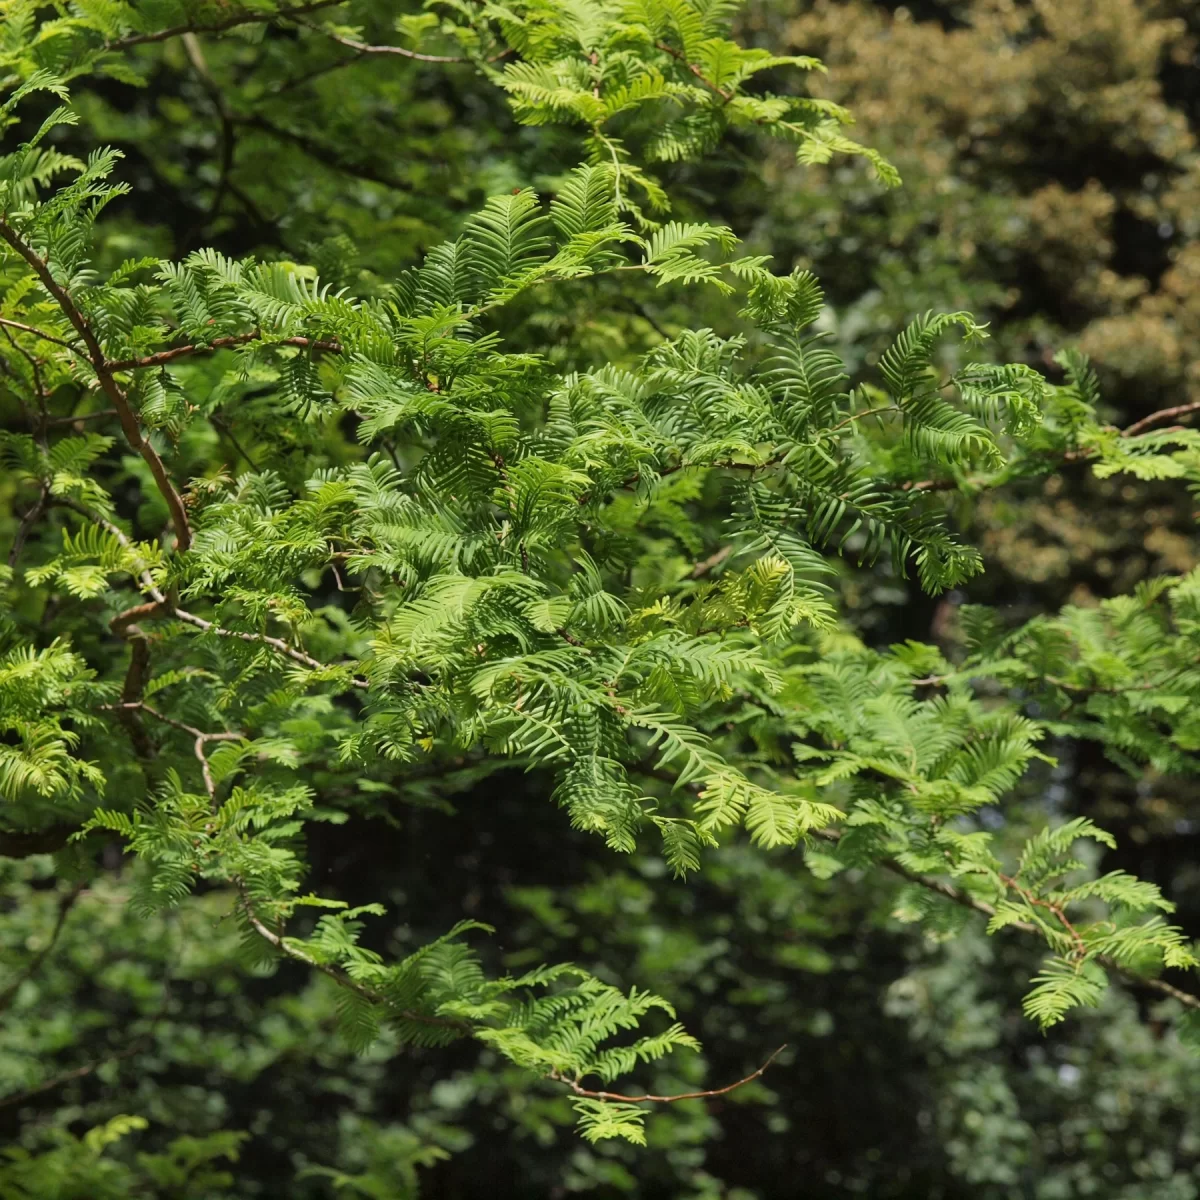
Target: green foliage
[{"x": 450, "y": 552}]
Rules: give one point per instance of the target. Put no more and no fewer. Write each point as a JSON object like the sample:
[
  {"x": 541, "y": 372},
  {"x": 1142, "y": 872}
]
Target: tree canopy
[{"x": 413, "y": 459}]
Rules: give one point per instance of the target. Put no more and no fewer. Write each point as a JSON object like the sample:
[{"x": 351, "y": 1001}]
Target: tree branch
[
  {"x": 966, "y": 900},
  {"x": 649, "y": 1097},
  {"x": 24, "y": 844},
  {"x": 363, "y": 48},
  {"x": 161, "y": 607},
  {"x": 727, "y": 96},
  {"x": 1138, "y": 427},
  {"x": 340, "y": 977},
  {"x": 244, "y": 18},
  {"x": 27, "y": 523},
  {"x": 45, "y": 337},
  {"x": 325, "y": 155},
  {"x": 129, "y": 421},
  {"x": 221, "y": 343},
  {"x": 65, "y": 904},
  {"x": 1157, "y": 418}
]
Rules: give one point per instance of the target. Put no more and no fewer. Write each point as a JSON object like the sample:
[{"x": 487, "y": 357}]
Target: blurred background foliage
[{"x": 1051, "y": 185}]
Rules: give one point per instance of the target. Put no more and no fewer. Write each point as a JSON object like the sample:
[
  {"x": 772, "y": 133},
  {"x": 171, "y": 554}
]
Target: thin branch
[
  {"x": 221, "y": 424},
  {"x": 201, "y": 739},
  {"x": 325, "y": 155},
  {"x": 102, "y": 415},
  {"x": 966, "y": 900},
  {"x": 79, "y": 1073},
  {"x": 1067, "y": 456},
  {"x": 136, "y": 1046},
  {"x": 221, "y": 343},
  {"x": 244, "y": 18},
  {"x": 725, "y": 95},
  {"x": 649, "y": 1097},
  {"x": 858, "y": 416},
  {"x": 160, "y": 607},
  {"x": 339, "y": 976},
  {"x": 703, "y": 567},
  {"x": 275, "y": 644},
  {"x": 129, "y": 421},
  {"x": 65, "y": 904},
  {"x": 1157, "y": 418},
  {"x": 363, "y": 49},
  {"x": 41, "y": 333},
  {"x": 27, "y": 523},
  {"x": 195, "y": 54}
]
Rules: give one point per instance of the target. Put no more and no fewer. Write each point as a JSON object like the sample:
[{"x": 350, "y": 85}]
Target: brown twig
[
  {"x": 364, "y": 49},
  {"x": 1067, "y": 456},
  {"x": 649, "y": 1097},
  {"x": 714, "y": 560},
  {"x": 201, "y": 739},
  {"x": 160, "y": 607},
  {"x": 1056, "y": 909},
  {"x": 1157, "y": 418}
]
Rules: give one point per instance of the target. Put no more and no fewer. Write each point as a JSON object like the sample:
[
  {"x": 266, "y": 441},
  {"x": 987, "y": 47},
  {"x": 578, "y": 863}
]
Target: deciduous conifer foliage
[{"x": 450, "y": 548}]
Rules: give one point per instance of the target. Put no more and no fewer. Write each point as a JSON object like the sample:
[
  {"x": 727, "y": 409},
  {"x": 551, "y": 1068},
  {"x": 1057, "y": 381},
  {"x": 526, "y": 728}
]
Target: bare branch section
[
  {"x": 651, "y": 1098},
  {"x": 161, "y": 357},
  {"x": 242, "y": 18},
  {"x": 363, "y": 48}
]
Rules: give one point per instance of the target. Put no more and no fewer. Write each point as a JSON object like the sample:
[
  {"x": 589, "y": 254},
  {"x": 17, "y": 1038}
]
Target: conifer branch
[
  {"x": 45, "y": 337},
  {"x": 679, "y": 56},
  {"x": 31, "y": 518},
  {"x": 128, "y": 419},
  {"x": 1067, "y": 456},
  {"x": 160, "y": 607},
  {"x": 966, "y": 900},
  {"x": 289, "y": 949}
]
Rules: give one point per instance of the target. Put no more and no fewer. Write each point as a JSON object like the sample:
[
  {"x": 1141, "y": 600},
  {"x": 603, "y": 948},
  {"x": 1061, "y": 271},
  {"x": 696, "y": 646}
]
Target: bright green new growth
[{"x": 503, "y": 535}]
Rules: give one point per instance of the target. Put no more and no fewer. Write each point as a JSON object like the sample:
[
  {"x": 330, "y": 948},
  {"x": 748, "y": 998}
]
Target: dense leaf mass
[{"x": 299, "y": 549}]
